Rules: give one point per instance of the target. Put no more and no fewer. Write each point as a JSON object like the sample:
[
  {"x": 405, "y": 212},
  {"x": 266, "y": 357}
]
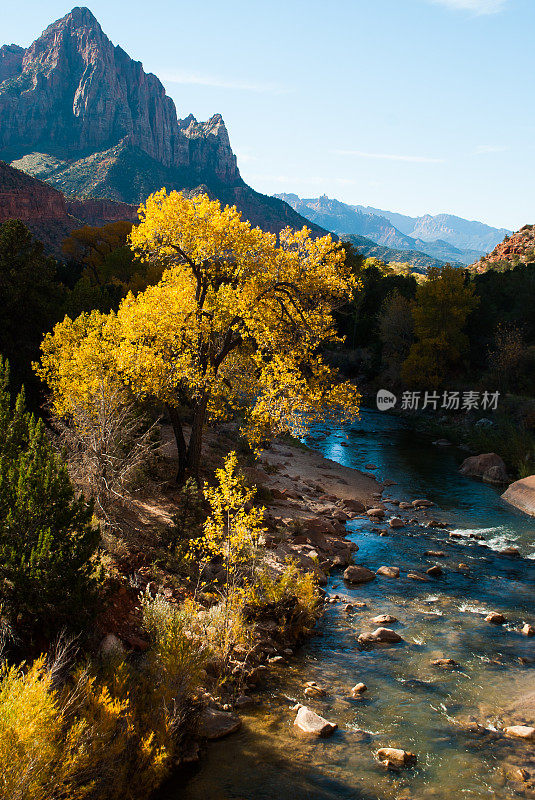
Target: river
[{"x": 409, "y": 703}]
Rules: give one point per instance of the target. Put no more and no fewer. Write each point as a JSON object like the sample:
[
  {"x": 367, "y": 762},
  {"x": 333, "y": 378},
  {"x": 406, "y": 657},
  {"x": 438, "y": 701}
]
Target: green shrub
[{"x": 46, "y": 536}]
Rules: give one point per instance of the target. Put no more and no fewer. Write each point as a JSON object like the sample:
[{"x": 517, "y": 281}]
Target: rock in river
[
  {"x": 396, "y": 522},
  {"x": 384, "y": 619},
  {"x": 359, "y": 689},
  {"x": 446, "y": 663},
  {"x": 520, "y": 731},
  {"x": 358, "y": 574},
  {"x": 380, "y": 636},
  {"x": 214, "y": 724},
  {"x": 310, "y": 723},
  {"x": 495, "y": 618},
  {"x": 389, "y": 572},
  {"x": 528, "y": 630},
  {"x": 395, "y": 757}
]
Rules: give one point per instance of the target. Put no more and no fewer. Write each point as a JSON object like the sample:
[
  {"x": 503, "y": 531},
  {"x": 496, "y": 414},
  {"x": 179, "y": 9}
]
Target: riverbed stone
[
  {"x": 359, "y": 689},
  {"x": 376, "y": 512},
  {"x": 311, "y": 724},
  {"x": 435, "y": 553},
  {"x": 416, "y": 576},
  {"x": 312, "y": 689},
  {"x": 214, "y": 724},
  {"x": 528, "y": 630},
  {"x": 395, "y": 757},
  {"x": 495, "y": 618},
  {"x": 396, "y": 523},
  {"x": 435, "y": 571},
  {"x": 388, "y": 572},
  {"x": 380, "y": 636},
  {"x": 358, "y": 574},
  {"x": 384, "y": 619},
  {"x": 445, "y": 663},
  {"x": 520, "y": 731},
  {"x": 512, "y": 552},
  {"x": 480, "y": 466},
  {"x": 355, "y": 505},
  {"x": 422, "y": 503}
]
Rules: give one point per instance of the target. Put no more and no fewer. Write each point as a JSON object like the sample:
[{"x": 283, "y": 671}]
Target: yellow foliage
[{"x": 235, "y": 323}]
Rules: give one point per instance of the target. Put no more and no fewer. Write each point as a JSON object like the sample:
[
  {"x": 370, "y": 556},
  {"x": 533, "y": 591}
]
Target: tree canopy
[{"x": 235, "y": 325}]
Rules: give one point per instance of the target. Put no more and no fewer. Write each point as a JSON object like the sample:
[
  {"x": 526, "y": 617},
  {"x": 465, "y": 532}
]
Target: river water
[{"x": 409, "y": 703}]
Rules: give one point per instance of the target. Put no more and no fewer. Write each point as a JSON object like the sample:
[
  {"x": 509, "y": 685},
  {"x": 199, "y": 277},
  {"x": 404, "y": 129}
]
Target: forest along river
[{"x": 409, "y": 703}]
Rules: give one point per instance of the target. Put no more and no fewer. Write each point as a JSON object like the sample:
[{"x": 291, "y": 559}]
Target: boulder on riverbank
[
  {"x": 488, "y": 467},
  {"x": 521, "y": 494}
]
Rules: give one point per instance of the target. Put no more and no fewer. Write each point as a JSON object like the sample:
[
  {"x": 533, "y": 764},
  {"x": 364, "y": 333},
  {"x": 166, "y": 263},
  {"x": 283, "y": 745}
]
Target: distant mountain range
[
  {"x": 443, "y": 237},
  {"x": 420, "y": 262},
  {"x": 79, "y": 113}
]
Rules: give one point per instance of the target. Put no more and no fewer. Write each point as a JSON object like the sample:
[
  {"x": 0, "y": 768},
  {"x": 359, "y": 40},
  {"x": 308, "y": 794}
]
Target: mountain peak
[{"x": 79, "y": 17}]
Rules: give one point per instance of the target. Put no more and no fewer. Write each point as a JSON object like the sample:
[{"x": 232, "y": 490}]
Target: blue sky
[{"x": 409, "y": 105}]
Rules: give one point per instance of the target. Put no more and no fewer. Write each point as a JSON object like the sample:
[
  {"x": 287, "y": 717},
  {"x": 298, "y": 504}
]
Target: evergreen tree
[{"x": 46, "y": 536}]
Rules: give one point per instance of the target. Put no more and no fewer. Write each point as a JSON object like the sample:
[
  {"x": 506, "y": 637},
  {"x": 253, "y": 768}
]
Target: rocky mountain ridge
[
  {"x": 462, "y": 241},
  {"x": 46, "y": 212},
  {"x": 77, "y": 112},
  {"x": 519, "y": 248}
]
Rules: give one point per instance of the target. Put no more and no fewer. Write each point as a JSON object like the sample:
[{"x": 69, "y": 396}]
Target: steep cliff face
[
  {"x": 73, "y": 93},
  {"x": 24, "y": 198},
  {"x": 79, "y": 113},
  {"x": 47, "y": 213}
]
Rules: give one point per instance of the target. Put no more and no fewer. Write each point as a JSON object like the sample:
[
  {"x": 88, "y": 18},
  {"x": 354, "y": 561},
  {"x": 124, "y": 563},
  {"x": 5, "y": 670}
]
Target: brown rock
[
  {"x": 495, "y": 618},
  {"x": 380, "y": 636},
  {"x": 358, "y": 574},
  {"x": 422, "y": 503},
  {"x": 446, "y": 663},
  {"x": 528, "y": 630},
  {"x": 435, "y": 571},
  {"x": 396, "y": 523},
  {"x": 520, "y": 731},
  {"x": 376, "y": 512},
  {"x": 388, "y": 572},
  {"x": 355, "y": 505},
  {"x": 435, "y": 553},
  {"x": 392, "y": 756},
  {"x": 384, "y": 619},
  {"x": 521, "y": 494},
  {"x": 416, "y": 576},
  {"x": 480, "y": 466},
  {"x": 359, "y": 689}
]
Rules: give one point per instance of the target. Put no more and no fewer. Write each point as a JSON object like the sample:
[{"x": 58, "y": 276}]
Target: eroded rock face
[
  {"x": 311, "y": 724},
  {"x": 72, "y": 91}
]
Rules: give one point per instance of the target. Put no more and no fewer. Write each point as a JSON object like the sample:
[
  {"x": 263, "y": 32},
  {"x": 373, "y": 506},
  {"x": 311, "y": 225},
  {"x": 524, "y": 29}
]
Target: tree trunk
[
  {"x": 174, "y": 416},
  {"x": 195, "y": 441}
]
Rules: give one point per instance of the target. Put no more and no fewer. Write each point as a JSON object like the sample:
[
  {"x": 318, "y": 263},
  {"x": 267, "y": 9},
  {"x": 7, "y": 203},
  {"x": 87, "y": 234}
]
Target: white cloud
[
  {"x": 193, "y": 78},
  {"x": 389, "y": 157},
  {"x": 476, "y": 6},
  {"x": 485, "y": 149}
]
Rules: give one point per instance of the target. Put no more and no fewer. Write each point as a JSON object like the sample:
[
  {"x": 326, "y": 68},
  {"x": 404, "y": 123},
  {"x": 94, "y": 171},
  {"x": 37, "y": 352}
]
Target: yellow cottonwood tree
[{"x": 235, "y": 325}]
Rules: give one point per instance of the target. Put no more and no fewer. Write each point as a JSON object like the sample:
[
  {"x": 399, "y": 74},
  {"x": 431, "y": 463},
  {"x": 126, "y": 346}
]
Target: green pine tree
[{"x": 46, "y": 536}]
